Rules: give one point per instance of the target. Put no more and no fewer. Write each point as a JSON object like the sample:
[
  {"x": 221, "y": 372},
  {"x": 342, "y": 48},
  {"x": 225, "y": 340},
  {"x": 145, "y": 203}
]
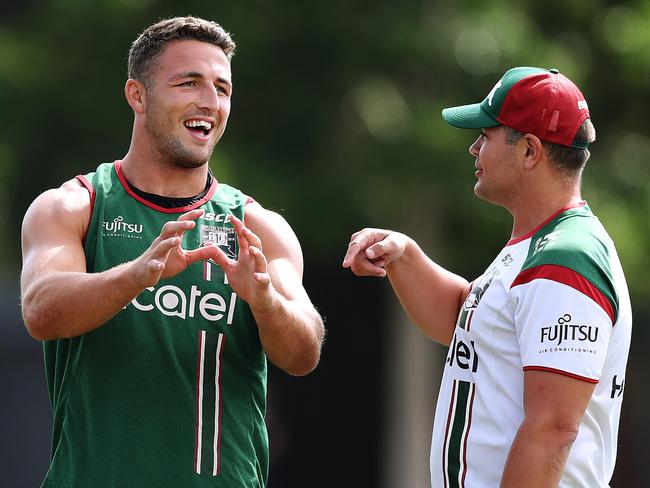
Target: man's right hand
[
  {"x": 430, "y": 294},
  {"x": 371, "y": 250},
  {"x": 165, "y": 257}
]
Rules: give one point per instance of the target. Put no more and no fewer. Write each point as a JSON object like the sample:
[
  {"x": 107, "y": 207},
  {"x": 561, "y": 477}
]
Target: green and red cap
[{"x": 535, "y": 101}]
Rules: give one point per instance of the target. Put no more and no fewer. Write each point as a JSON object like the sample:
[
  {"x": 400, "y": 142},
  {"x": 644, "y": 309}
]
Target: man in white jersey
[{"x": 534, "y": 377}]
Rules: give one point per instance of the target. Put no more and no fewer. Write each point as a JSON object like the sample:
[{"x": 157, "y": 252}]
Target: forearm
[
  {"x": 537, "y": 457},
  {"x": 291, "y": 333},
  {"x": 67, "y": 304},
  {"x": 430, "y": 294}
]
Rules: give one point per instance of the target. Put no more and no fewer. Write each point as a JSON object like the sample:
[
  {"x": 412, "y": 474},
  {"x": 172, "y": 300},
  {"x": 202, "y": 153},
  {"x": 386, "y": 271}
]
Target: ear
[
  {"x": 136, "y": 95},
  {"x": 533, "y": 151}
]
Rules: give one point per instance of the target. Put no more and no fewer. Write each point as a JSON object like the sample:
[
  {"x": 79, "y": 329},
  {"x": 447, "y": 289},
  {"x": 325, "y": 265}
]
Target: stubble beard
[
  {"x": 502, "y": 195},
  {"x": 171, "y": 149}
]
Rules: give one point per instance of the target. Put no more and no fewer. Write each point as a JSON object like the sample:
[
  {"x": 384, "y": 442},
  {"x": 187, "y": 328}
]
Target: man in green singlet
[{"x": 159, "y": 292}]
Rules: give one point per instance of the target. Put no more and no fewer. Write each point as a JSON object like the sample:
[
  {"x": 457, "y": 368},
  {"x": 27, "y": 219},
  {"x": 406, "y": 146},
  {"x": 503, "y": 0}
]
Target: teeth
[{"x": 199, "y": 123}]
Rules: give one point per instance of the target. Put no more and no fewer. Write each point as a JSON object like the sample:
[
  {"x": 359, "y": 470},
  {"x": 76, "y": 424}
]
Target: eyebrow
[{"x": 196, "y": 74}]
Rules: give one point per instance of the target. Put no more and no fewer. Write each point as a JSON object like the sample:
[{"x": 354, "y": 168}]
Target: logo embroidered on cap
[
  {"x": 492, "y": 92},
  {"x": 582, "y": 105}
]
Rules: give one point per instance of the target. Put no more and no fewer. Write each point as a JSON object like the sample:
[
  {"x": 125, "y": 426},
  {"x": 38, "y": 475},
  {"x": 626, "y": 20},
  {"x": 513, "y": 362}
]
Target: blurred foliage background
[{"x": 335, "y": 124}]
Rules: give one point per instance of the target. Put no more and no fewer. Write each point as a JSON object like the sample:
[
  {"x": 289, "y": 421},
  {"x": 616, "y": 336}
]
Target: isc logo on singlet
[{"x": 172, "y": 301}]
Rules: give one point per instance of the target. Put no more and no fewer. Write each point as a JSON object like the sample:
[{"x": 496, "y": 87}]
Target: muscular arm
[
  {"x": 553, "y": 407},
  {"x": 430, "y": 294},
  {"x": 268, "y": 276},
  {"x": 59, "y": 298}
]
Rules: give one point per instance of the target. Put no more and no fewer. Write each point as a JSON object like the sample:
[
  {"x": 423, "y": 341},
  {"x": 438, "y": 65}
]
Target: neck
[
  {"x": 538, "y": 207},
  {"x": 148, "y": 171}
]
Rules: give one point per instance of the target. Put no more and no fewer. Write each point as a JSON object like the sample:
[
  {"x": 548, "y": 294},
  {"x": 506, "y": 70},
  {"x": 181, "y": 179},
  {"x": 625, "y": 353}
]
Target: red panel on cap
[{"x": 548, "y": 105}]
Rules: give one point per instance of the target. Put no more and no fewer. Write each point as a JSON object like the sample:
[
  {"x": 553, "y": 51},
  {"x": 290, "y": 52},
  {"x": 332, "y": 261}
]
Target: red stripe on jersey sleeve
[
  {"x": 559, "y": 371},
  {"x": 569, "y": 277}
]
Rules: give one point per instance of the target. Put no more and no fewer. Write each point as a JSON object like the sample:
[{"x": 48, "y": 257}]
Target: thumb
[
  {"x": 376, "y": 250},
  {"x": 218, "y": 256}
]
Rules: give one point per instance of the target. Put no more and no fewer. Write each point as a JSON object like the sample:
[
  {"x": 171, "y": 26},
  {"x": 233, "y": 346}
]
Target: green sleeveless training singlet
[{"x": 171, "y": 392}]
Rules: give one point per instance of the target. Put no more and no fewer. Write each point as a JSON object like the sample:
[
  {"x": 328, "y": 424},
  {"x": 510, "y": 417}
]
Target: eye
[
  {"x": 223, "y": 89},
  {"x": 190, "y": 83}
]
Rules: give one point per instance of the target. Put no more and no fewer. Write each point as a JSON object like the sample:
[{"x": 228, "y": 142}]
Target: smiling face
[
  {"x": 498, "y": 168},
  {"x": 187, "y": 102}
]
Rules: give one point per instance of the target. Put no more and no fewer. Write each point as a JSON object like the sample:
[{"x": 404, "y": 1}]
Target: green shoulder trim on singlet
[{"x": 577, "y": 241}]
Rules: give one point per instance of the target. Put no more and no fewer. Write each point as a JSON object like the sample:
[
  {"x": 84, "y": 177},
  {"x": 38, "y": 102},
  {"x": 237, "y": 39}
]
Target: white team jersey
[{"x": 553, "y": 300}]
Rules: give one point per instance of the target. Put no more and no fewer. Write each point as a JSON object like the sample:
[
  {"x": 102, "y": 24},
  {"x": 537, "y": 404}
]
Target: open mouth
[{"x": 200, "y": 127}]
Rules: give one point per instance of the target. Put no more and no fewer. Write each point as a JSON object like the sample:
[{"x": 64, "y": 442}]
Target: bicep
[
  {"x": 52, "y": 234},
  {"x": 554, "y": 399},
  {"x": 281, "y": 248}
]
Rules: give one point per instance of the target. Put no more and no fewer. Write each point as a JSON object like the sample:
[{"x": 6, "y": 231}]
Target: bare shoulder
[
  {"x": 67, "y": 207},
  {"x": 269, "y": 224},
  {"x": 278, "y": 238}
]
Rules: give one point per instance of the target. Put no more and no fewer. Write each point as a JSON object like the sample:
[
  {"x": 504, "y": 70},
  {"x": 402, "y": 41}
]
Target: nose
[
  {"x": 209, "y": 99},
  {"x": 476, "y": 146}
]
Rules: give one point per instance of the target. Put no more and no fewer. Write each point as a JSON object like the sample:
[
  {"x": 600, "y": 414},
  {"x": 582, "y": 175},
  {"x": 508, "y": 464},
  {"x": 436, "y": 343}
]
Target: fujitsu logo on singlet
[
  {"x": 564, "y": 330},
  {"x": 119, "y": 228}
]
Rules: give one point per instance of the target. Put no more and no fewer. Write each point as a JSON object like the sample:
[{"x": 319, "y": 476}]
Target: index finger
[
  {"x": 238, "y": 225},
  {"x": 357, "y": 244},
  {"x": 191, "y": 215}
]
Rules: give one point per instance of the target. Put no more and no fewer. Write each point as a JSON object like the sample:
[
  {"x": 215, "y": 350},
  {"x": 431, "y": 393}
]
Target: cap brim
[{"x": 468, "y": 117}]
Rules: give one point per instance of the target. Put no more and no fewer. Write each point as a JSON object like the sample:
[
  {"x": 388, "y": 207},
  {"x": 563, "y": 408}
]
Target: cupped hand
[
  {"x": 248, "y": 274},
  {"x": 165, "y": 257}
]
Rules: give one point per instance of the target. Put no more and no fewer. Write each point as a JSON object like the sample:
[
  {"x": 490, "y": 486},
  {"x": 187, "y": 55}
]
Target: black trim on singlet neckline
[{"x": 172, "y": 202}]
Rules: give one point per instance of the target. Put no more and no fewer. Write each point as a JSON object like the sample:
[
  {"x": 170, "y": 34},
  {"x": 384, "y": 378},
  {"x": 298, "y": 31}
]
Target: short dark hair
[
  {"x": 148, "y": 46},
  {"x": 568, "y": 160}
]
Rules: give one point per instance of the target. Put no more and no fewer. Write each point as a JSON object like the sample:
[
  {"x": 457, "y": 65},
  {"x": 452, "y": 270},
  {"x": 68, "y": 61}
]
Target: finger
[
  {"x": 164, "y": 247},
  {"x": 217, "y": 255},
  {"x": 208, "y": 251},
  {"x": 363, "y": 267},
  {"x": 259, "y": 260},
  {"x": 262, "y": 278},
  {"x": 238, "y": 225},
  {"x": 357, "y": 244},
  {"x": 368, "y": 231},
  {"x": 155, "y": 266},
  {"x": 176, "y": 228},
  {"x": 354, "y": 248},
  {"x": 351, "y": 254},
  {"x": 191, "y": 215},
  {"x": 252, "y": 238},
  {"x": 376, "y": 250}
]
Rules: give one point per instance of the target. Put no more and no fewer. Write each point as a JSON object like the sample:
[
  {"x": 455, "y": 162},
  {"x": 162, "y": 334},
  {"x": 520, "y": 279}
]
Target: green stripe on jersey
[{"x": 459, "y": 430}]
